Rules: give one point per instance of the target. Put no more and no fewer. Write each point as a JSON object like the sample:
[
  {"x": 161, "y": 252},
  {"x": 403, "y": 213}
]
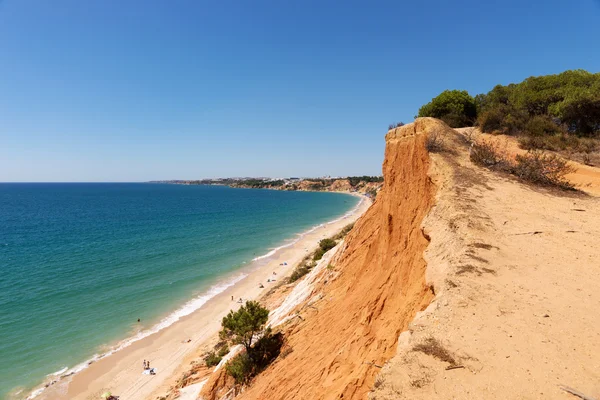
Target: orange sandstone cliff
[
  {"x": 372, "y": 289},
  {"x": 515, "y": 272}
]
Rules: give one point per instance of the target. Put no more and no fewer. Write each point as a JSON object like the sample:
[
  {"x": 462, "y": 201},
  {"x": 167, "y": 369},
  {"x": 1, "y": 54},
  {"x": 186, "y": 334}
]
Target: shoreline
[{"x": 168, "y": 345}]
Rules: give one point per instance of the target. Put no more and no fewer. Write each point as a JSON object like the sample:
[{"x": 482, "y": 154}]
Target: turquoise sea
[{"x": 80, "y": 263}]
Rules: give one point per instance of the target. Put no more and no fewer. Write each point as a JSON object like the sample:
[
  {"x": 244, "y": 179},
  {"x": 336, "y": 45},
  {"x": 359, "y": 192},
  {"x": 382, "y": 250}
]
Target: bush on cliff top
[
  {"x": 535, "y": 166},
  {"x": 455, "y": 107},
  {"x": 561, "y": 105}
]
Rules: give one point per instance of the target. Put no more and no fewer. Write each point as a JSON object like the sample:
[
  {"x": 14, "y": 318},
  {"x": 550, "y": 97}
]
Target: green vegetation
[
  {"x": 240, "y": 368},
  {"x": 212, "y": 359},
  {"x": 247, "y": 365},
  {"x": 310, "y": 261},
  {"x": 355, "y": 180},
  {"x": 324, "y": 246},
  {"x": 345, "y": 230},
  {"x": 535, "y": 166},
  {"x": 455, "y": 107},
  {"x": 553, "y": 112},
  {"x": 261, "y": 183},
  {"x": 567, "y": 102},
  {"x": 243, "y": 327},
  {"x": 304, "y": 268}
]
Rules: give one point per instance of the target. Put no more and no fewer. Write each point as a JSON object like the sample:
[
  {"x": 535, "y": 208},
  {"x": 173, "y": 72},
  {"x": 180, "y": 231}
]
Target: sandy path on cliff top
[
  {"x": 517, "y": 277},
  {"x": 121, "y": 374}
]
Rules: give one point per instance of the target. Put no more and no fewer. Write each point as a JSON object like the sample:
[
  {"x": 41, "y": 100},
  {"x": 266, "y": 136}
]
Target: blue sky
[{"x": 106, "y": 90}]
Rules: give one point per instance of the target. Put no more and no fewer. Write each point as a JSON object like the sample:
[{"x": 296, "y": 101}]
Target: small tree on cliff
[
  {"x": 243, "y": 325},
  {"x": 455, "y": 107}
]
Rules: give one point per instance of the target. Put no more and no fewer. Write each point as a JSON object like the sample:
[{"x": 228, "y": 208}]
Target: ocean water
[{"x": 80, "y": 263}]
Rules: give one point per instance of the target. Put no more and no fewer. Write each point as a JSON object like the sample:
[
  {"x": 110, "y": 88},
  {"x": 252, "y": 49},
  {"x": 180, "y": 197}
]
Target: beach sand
[{"x": 168, "y": 350}]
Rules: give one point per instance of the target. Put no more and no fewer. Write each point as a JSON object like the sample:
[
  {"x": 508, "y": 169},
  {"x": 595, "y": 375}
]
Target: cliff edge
[
  {"x": 371, "y": 290},
  {"x": 458, "y": 282}
]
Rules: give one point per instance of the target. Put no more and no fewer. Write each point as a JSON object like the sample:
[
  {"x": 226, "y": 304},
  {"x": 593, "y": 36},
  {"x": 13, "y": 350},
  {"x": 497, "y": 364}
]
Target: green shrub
[
  {"x": 298, "y": 273},
  {"x": 570, "y": 99},
  {"x": 243, "y": 325},
  {"x": 212, "y": 359},
  {"x": 240, "y": 368},
  {"x": 345, "y": 230},
  {"x": 223, "y": 351},
  {"x": 318, "y": 254},
  {"x": 455, "y": 107},
  {"x": 541, "y": 125},
  {"x": 355, "y": 180},
  {"x": 492, "y": 121},
  {"x": 266, "y": 349},
  {"x": 327, "y": 244},
  {"x": 248, "y": 364},
  {"x": 501, "y": 120}
]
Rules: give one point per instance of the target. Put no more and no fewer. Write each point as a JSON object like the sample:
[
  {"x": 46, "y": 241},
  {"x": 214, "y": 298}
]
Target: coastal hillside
[
  {"x": 369, "y": 185},
  {"x": 374, "y": 289},
  {"x": 460, "y": 281},
  {"x": 355, "y": 306}
]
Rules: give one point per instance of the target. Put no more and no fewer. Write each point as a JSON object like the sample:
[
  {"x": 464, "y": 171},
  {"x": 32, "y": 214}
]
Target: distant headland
[{"x": 368, "y": 185}]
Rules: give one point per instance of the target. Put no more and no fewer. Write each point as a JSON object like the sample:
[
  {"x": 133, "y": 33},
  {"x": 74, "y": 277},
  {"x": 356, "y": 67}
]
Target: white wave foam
[{"x": 61, "y": 371}]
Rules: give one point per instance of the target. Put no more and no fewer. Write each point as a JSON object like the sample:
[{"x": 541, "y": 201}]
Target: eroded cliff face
[{"x": 372, "y": 290}]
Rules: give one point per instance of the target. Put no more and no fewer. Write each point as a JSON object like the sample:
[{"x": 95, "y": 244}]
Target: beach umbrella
[{"x": 106, "y": 395}]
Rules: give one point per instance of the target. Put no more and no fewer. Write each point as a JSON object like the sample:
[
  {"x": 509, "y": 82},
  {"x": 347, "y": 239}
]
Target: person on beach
[
  {"x": 147, "y": 364},
  {"x": 231, "y": 298},
  {"x": 144, "y": 364},
  {"x": 260, "y": 285}
]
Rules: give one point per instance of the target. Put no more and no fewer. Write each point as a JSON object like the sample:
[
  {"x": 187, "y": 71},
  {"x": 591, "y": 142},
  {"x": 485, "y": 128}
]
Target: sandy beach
[{"x": 171, "y": 348}]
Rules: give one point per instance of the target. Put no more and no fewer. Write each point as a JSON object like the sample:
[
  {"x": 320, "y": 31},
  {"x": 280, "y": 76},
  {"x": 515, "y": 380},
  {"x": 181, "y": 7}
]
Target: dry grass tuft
[
  {"x": 435, "y": 143},
  {"x": 467, "y": 269},
  {"x": 543, "y": 169},
  {"x": 432, "y": 347},
  {"x": 379, "y": 381},
  {"x": 535, "y": 166},
  {"x": 484, "y": 246},
  {"x": 451, "y": 284}
]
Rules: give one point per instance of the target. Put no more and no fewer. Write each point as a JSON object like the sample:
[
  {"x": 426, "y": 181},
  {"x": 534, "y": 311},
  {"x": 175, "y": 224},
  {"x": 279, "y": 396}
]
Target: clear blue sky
[{"x": 118, "y": 90}]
